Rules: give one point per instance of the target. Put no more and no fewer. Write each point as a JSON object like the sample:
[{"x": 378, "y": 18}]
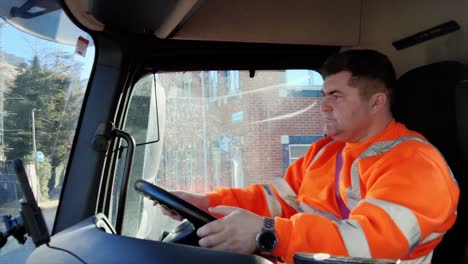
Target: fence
[{"x": 9, "y": 188}]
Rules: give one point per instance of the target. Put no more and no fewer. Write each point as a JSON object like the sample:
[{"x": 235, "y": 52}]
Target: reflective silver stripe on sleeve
[
  {"x": 303, "y": 207},
  {"x": 421, "y": 260},
  {"x": 354, "y": 238},
  {"x": 274, "y": 205},
  {"x": 285, "y": 192},
  {"x": 432, "y": 236},
  {"x": 403, "y": 218},
  {"x": 319, "y": 153},
  {"x": 353, "y": 193}
]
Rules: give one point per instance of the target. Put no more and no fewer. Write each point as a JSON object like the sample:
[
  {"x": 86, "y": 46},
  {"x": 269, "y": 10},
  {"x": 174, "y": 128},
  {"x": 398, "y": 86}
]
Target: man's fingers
[
  {"x": 223, "y": 209},
  {"x": 210, "y": 228},
  {"x": 171, "y": 213},
  {"x": 225, "y": 246},
  {"x": 212, "y": 241},
  {"x": 165, "y": 210}
]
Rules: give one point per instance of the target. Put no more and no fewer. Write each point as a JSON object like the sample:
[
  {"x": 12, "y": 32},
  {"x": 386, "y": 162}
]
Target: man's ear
[{"x": 378, "y": 101}]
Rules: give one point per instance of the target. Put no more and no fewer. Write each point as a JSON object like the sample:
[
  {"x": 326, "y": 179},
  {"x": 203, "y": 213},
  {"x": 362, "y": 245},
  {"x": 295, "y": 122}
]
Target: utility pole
[{"x": 34, "y": 155}]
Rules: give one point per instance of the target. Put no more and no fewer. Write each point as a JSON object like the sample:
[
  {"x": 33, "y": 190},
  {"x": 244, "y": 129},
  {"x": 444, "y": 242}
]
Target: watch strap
[{"x": 269, "y": 223}]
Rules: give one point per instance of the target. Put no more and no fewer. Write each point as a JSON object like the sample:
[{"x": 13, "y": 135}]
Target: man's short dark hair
[{"x": 363, "y": 64}]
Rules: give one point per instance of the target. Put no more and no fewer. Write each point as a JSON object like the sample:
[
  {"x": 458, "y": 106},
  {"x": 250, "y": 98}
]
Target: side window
[
  {"x": 186, "y": 141},
  {"x": 42, "y": 88},
  {"x": 142, "y": 122}
]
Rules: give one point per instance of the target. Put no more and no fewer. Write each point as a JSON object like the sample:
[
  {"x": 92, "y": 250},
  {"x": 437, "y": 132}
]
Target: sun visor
[
  {"x": 35, "y": 17},
  {"x": 276, "y": 21}
]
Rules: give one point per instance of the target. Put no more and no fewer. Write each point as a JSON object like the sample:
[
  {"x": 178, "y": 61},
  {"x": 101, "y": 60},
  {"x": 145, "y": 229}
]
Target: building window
[
  {"x": 296, "y": 151},
  {"x": 215, "y": 164},
  {"x": 213, "y": 85},
  {"x": 294, "y": 147},
  {"x": 302, "y": 83},
  {"x": 233, "y": 82},
  {"x": 187, "y": 84}
]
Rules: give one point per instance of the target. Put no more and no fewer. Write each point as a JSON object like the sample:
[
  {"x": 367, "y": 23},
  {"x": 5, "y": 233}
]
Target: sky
[{"x": 20, "y": 44}]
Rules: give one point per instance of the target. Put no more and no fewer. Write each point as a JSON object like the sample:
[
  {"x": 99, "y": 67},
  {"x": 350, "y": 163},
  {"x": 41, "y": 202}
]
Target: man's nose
[{"x": 325, "y": 106}]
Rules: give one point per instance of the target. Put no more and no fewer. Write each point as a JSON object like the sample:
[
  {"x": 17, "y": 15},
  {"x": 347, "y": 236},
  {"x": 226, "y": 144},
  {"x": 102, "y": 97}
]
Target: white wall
[{"x": 385, "y": 21}]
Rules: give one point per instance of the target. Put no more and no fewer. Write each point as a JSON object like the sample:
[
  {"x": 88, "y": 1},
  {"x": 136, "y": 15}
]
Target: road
[{"x": 14, "y": 253}]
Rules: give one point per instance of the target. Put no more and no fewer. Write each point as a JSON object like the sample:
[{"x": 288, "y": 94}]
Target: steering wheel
[
  {"x": 181, "y": 234},
  {"x": 195, "y": 215}
]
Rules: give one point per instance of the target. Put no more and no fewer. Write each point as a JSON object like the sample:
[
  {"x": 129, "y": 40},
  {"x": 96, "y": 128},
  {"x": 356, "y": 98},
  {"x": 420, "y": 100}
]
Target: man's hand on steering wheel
[
  {"x": 234, "y": 232},
  {"x": 199, "y": 200}
]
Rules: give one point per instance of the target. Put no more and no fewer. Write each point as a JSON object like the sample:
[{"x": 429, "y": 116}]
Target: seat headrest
[
  {"x": 429, "y": 99},
  {"x": 461, "y": 104}
]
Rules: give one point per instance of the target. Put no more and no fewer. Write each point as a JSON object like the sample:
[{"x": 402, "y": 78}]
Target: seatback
[{"x": 433, "y": 100}]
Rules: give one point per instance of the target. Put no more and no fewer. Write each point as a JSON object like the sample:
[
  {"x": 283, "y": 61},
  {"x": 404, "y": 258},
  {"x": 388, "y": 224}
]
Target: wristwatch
[{"x": 267, "y": 239}]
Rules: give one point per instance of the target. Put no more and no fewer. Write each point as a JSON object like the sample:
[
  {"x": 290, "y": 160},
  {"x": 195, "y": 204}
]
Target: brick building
[{"x": 224, "y": 128}]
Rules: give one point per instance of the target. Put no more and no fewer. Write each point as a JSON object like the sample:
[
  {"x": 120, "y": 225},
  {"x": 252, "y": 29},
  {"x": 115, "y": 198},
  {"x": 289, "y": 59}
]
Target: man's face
[{"x": 346, "y": 113}]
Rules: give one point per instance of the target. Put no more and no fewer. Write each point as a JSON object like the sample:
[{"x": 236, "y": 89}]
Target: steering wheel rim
[{"x": 192, "y": 213}]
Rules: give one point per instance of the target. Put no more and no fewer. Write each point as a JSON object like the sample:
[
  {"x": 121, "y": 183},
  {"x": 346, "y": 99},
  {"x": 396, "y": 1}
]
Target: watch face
[{"x": 267, "y": 240}]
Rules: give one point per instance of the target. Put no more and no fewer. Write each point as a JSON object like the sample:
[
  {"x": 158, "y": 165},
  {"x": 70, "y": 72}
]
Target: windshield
[
  {"x": 200, "y": 130},
  {"x": 42, "y": 86}
]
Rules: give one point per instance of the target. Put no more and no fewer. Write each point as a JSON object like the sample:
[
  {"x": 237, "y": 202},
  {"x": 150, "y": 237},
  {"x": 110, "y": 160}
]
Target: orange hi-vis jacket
[{"x": 399, "y": 189}]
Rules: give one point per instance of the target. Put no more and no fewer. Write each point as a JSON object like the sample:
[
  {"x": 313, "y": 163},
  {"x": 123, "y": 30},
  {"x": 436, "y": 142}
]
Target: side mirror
[{"x": 31, "y": 220}]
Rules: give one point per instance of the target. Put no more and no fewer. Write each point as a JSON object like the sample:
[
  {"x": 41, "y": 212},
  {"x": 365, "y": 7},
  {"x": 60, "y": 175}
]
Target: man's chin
[
  {"x": 333, "y": 134},
  {"x": 329, "y": 131}
]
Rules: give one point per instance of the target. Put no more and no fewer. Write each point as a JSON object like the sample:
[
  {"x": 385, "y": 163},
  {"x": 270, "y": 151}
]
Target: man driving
[{"x": 371, "y": 188}]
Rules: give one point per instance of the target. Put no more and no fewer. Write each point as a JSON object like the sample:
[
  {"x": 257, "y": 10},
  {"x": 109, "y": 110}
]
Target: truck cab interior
[{"x": 194, "y": 94}]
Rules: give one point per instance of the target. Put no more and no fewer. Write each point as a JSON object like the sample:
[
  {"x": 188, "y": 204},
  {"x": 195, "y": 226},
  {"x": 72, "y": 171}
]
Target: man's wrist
[{"x": 266, "y": 239}]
